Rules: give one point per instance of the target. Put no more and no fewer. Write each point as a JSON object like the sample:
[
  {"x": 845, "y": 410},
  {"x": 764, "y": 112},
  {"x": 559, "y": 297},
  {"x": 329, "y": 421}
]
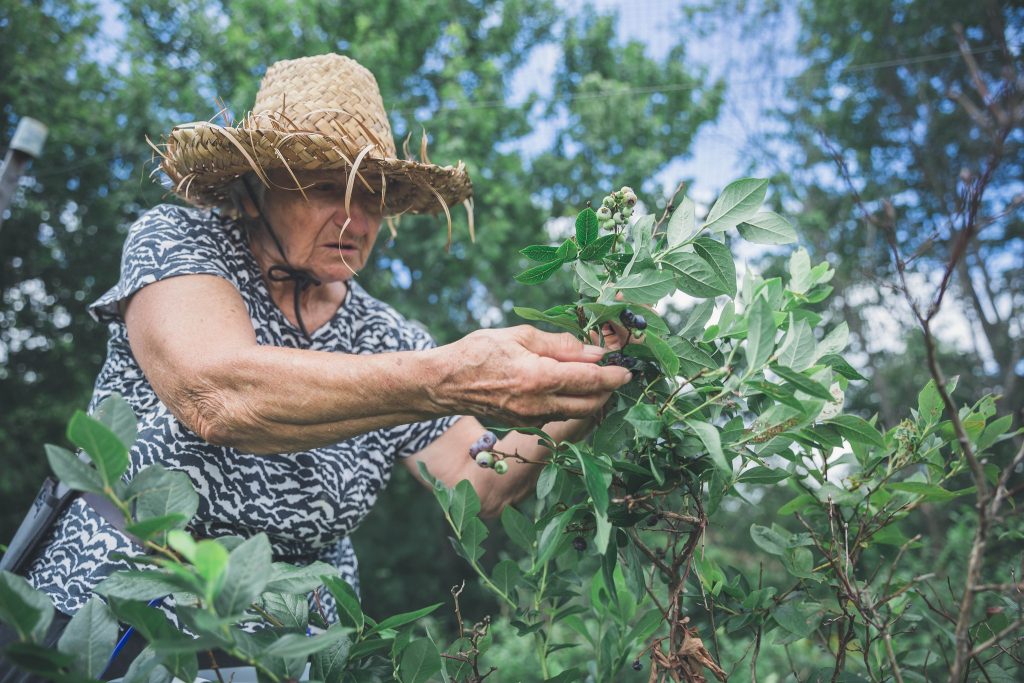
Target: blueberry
[
  {"x": 484, "y": 459},
  {"x": 614, "y": 358},
  {"x": 637, "y": 666},
  {"x": 474, "y": 450},
  {"x": 653, "y": 520},
  {"x": 627, "y": 317},
  {"x": 579, "y": 543},
  {"x": 487, "y": 441},
  {"x": 639, "y": 323},
  {"x": 501, "y": 467}
]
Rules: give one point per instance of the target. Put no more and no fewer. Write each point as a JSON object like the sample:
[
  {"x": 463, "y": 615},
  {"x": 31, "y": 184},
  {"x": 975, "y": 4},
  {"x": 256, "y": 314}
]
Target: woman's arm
[
  {"x": 447, "y": 459},
  {"x": 193, "y": 339}
]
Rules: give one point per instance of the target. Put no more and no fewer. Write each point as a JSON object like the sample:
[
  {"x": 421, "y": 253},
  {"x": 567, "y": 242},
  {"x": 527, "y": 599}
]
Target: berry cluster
[
  {"x": 633, "y": 321},
  {"x": 616, "y": 208},
  {"x": 480, "y": 451},
  {"x": 622, "y": 360}
]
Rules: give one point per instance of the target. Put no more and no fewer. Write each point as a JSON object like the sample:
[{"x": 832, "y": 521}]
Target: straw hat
[{"x": 313, "y": 113}]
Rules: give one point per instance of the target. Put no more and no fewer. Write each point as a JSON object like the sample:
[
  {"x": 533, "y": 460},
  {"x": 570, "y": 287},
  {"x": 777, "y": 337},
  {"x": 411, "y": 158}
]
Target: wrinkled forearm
[{"x": 273, "y": 400}]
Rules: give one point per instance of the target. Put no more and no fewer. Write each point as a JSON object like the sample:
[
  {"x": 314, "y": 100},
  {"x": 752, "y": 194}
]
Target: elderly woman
[{"x": 256, "y": 363}]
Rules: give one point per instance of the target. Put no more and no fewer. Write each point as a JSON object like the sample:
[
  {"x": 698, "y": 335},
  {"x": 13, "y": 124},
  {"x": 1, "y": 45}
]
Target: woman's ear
[{"x": 249, "y": 207}]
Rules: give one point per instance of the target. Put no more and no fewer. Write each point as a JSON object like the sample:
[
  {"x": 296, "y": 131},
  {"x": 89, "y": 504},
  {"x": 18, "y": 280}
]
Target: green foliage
[{"x": 612, "y": 550}]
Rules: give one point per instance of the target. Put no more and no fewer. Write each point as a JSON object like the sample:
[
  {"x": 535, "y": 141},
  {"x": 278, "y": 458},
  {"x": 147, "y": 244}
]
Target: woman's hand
[{"x": 523, "y": 376}]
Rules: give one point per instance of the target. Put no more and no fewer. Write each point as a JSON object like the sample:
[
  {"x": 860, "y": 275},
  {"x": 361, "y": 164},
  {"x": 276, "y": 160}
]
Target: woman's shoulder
[{"x": 174, "y": 219}]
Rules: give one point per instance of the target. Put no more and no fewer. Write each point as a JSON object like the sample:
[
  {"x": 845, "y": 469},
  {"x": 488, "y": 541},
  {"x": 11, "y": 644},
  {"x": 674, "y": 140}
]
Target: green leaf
[
  {"x": 301, "y": 645},
  {"x": 89, "y": 637},
  {"x": 532, "y": 276},
  {"x": 291, "y": 610},
  {"x": 929, "y": 403},
  {"x": 667, "y": 358},
  {"x": 402, "y": 619},
  {"x": 420, "y": 659},
  {"x": 597, "y": 479},
  {"x": 153, "y": 526},
  {"x": 720, "y": 259},
  {"x": 540, "y": 252},
  {"x": 798, "y": 349},
  {"x": 767, "y": 227},
  {"x": 835, "y": 341},
  {"x": 598, "y": 249},
  {"x": 693, "y": 357},
  {"x": 287, "y": 578},
  {"x": 348, "y": 601},
  {"x": 159, "y": 492},
  {"x": 589, "y": 277},
  {"x": 695, "y": 276},
  {"x": 682, "y": 224},
  {"x": 768, "y": 540},
  {"x": 738, "y": 202},
  {"x": 471, "y": 536},
  {"x": 586, "y": 227},
  {"x": 839, "y": 364},
  {"x": 138, "y": 585},
  {"x": 799, "y": 271},
  {"x": 709, "y": 436},
  {"x": 696, "y": 319},
  {"x": 645, "y": 419},
  {"x": 506, "y": 576},
  {"x": 104, "y": 447},
  {"x": 647, "y": 286},
  {"x": 518, "y": 527},
  {"x": 802, "y": 382},
  {"x": 797, "y": 504},
  {"x": 857, "y": 430},
  {"x": 248, "y": 570},
  {"x": 568, "y": 251},
  {"x": 799, "y": 562},
  {"x": 552, "y": 537},
  {"x": 74, "y": 472},
  {"x": 798, "y": 617},
  {"x": 760, "y": 334},
  {"x": 565, "y": 322},
  {"x": 118, "y": 416},
  {"x": 211, "y": 561},
  {"x": 328, "y": 665},
  {"x": 465, "y": 505},
  {"x": 23, "y": 607},
  {"x": 930, "y": 492}
]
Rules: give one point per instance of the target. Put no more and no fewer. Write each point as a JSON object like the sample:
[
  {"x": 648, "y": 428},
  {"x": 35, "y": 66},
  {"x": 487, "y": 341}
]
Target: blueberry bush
[{"x": 612, "y": 578}]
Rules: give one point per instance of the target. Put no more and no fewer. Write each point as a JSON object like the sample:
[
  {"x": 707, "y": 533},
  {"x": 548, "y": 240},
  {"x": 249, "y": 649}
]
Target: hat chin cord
[{"x": 303, "y": 279}]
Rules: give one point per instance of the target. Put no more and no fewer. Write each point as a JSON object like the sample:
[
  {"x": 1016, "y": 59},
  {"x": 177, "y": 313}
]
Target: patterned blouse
[{"x": 307, "y": 502}]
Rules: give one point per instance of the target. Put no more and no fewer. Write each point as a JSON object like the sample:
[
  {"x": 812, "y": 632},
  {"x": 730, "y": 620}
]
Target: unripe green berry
[
  {"x": 604, "y": 213},
  {"x": 501, "y": 467},
  {"x": 627, "y": 211},
  {"x": 484, "y": 459},
  {"x": 617, "y": 217},
  {"x": 608, "y": 201}
]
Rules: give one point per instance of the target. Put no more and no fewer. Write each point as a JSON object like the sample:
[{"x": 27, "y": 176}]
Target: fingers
[
  {"x": 561, "y": 347},
  {"x": 583, "y": 379}
]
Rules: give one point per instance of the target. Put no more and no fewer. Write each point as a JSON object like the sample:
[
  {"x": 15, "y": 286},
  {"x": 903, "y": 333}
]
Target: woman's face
[{"x": 315, "y": 230}]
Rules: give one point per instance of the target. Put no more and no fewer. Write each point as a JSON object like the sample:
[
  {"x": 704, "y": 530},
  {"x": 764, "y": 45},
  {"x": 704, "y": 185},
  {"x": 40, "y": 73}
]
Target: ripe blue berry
[
  {"x": 637, "y": 666},
  {"x": 579, "y": 543},
  {"x": 474, "y": 450},
  {"x": 640, "y": 323},
  {"x": 627, "y": 317},
  {"x": 487, "y": 441}
]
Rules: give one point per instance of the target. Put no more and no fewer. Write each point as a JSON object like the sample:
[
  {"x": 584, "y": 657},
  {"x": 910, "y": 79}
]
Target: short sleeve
[{"x": 165, "y": 242}]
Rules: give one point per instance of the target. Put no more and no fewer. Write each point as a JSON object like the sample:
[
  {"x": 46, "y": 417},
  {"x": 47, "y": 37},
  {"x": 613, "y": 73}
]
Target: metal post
[{"x": 26, "y": 145}]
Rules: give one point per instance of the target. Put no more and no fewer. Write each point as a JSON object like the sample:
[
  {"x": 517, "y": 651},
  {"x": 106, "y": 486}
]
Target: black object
[{"x": 52, "y": 499}]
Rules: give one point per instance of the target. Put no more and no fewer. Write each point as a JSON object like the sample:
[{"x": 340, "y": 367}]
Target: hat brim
[{"x": 202, "y": 159}]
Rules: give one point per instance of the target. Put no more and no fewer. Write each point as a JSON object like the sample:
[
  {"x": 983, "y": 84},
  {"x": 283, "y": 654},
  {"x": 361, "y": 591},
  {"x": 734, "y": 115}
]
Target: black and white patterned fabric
[{"x": 306, "y": 502}]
